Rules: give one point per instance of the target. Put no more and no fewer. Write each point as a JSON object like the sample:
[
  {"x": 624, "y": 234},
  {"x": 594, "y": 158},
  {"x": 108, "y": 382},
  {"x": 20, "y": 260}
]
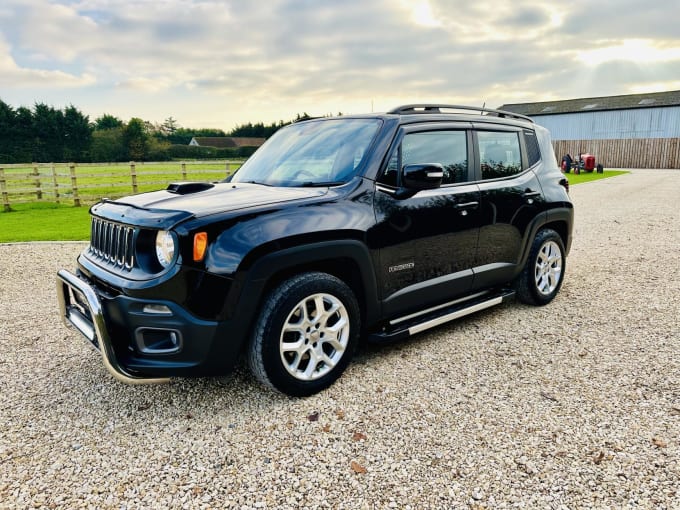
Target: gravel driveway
[{"x": 573, "y": 405}]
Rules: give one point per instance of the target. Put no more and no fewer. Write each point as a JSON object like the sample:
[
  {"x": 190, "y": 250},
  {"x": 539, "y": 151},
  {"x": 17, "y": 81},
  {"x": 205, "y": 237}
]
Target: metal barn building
[{"x": 632, "y": 131}]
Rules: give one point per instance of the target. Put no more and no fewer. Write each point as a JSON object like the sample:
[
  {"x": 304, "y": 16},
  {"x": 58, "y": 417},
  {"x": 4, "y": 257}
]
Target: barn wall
[
  {"x": 629, "y": 153},
  {"x": 616, "y": 124}
]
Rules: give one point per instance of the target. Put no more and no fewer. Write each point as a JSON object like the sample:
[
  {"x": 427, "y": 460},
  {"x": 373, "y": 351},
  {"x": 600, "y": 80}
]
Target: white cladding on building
[
  {"x": 602, "y": 125},
  {"x": 614, "y": 124}
]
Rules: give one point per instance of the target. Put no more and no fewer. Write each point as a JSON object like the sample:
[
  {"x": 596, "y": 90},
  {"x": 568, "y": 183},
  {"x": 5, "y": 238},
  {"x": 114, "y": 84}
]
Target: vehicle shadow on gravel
[{"x": 239, "y": 398}]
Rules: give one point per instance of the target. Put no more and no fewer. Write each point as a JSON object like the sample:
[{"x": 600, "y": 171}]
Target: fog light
[{"x": 158, "y": 341}]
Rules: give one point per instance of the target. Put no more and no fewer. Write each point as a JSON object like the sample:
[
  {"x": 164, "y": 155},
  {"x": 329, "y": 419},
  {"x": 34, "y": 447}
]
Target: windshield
[{"x": 317, "y": 153}]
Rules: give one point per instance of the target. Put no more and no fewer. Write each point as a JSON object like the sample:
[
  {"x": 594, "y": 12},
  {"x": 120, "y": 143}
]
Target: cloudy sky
[{"x": 220, "y": 63}]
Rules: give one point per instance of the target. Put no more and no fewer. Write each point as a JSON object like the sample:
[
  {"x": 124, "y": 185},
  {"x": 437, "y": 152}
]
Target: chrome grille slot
[{"x": 112, "y": 242}]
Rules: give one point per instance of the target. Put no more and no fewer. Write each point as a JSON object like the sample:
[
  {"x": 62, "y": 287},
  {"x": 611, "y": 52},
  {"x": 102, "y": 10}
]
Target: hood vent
[{"x": 185, "y": 188}]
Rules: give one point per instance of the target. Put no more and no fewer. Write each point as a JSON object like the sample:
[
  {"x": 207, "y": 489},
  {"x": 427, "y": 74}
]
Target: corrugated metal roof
[{"x": 590, "y": 104}]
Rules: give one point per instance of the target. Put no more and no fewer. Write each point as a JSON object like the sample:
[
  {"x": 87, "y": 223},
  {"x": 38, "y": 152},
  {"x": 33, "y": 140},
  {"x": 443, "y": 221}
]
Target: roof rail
[{"x": 437, "y": 108}]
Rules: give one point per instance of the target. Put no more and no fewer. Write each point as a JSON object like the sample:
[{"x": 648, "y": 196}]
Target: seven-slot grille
[{"x": 113, "y": 242}]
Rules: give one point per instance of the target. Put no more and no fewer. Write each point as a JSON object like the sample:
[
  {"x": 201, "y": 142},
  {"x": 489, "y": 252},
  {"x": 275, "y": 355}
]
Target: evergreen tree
[
  {"x": 169, "y": 127},
  {"x": 47, "y": 133},
  {"x": 23, "y": 135},
  {"x": 7, "y": 132},
  {"x": 135, "y": 139},
  {"x": 107, "y": 121},
  {"x": 77, "y": 135}
]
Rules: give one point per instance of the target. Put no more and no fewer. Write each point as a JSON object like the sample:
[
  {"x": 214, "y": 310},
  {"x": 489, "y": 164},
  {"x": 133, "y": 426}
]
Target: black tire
[
  {"x": 290, "y": 316},
  {"x": 542, "y": 276}
]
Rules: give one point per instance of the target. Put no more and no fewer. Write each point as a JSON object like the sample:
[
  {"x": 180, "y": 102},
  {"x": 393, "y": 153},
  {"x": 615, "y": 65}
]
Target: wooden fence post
[
  {"x": 55, "y": 183},
  {"x": 227, "y": 168},
  {"x": 3, "y": 189},
  {"x": 184, "y": 171},
  {"x": 74, "y": 184},
  {"x": 36, "y": 174},
  {"x": 133, "y": 175}
]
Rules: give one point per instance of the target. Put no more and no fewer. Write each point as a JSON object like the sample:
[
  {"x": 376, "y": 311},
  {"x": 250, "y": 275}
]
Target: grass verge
[{"x": 44, "y": 222}]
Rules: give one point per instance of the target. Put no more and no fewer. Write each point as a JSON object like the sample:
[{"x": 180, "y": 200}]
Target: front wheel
[
  {"x": 541, "y": 278},
  {"x": 305, "y": 334}
]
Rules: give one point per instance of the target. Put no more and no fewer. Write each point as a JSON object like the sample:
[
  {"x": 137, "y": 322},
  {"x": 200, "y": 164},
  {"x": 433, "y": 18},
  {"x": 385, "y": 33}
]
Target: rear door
[
  {"x": 427, "y": 242},
  {"x": 510, "y": 197}
]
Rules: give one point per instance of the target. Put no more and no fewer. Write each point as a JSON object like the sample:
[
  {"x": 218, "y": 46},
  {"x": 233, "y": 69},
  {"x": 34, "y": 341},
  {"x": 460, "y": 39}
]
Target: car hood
[{"x": 166, "y": 208}]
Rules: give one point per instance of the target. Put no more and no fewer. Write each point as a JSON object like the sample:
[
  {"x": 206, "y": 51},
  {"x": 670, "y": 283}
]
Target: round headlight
[{"x": 165, "y": 247}]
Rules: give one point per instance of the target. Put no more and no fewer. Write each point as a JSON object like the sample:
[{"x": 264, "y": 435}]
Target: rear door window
[{"x": 499, "y": 154}]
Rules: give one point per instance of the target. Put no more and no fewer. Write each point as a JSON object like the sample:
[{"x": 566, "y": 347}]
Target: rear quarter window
[{"x": 533, "y": 151}]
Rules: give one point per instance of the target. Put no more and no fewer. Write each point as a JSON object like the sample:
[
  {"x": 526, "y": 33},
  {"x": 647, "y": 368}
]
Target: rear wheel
[
  {"x": 305, "y": 335},
  {"x": 541, "y": 279}
]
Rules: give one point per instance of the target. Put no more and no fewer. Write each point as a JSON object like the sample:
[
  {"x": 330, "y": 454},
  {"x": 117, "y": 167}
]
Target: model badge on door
[{"x": 401, "y": 267}]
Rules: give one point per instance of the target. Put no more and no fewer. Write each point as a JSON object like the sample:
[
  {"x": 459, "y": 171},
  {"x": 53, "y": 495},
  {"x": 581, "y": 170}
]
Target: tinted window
[
  {"x": 533, "y": 152},
  {"x": 448, "y": 148},
  {"x": 499, "y": 154}
]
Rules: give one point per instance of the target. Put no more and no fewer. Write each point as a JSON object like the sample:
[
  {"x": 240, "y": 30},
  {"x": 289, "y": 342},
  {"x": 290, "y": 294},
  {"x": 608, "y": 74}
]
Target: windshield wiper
[
  {"x": 257, "y": 182},
  {"x": 321, "y": 184}
]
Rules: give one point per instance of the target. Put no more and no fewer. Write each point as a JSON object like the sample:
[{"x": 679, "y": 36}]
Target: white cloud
[
  {"x": 237, "y": 61},
  {"x": 144, "y": 84},
  {"x": 15, "y": 77},
  {"x": 421, "y": 12},
  {"x": 633, "y": 50}
]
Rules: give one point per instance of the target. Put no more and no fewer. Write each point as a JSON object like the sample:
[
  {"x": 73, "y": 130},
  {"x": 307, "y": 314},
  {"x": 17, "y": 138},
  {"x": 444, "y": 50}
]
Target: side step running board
[{"x": 400, "y": 328}]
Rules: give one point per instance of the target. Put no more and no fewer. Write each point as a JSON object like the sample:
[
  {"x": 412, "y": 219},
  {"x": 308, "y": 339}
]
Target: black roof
[{"x": 590, "y": 104}]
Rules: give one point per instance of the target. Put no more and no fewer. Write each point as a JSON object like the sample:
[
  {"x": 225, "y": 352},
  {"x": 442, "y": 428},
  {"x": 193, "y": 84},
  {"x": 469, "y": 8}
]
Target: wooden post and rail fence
[{"x": 86, "y": 183}]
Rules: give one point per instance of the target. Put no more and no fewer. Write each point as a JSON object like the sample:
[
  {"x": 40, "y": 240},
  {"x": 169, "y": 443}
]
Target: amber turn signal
[{"x": 200, "y": 245}]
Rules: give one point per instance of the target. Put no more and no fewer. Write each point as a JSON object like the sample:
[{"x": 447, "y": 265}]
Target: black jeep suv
[{"x": 371, "y": 226}]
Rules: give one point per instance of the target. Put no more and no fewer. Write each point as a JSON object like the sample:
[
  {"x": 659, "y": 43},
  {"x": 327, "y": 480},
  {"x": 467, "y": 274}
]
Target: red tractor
[{"x": 585, "y": 163}]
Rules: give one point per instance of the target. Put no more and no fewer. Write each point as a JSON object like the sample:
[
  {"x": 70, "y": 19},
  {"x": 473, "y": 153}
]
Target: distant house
[
  {"x": 222, "y": 142},
  {"x": 630, "y": 131}
]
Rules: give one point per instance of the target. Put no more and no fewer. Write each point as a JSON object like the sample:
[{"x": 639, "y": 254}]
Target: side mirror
[{"x": 423, "y": 176}]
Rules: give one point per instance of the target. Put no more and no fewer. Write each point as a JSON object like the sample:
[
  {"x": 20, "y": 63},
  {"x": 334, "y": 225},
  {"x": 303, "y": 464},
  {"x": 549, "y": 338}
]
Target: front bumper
[
  {"x": 81, "y": 308},
  {"x": 126, "y": 335}
]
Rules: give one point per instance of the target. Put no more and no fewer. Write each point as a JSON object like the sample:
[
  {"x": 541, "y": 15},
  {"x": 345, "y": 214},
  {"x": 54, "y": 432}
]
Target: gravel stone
[{"x": 572, "y": 405}]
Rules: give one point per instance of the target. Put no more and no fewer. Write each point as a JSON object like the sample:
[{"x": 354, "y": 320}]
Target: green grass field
[
  {"x": 43, "y": 221},
  {"x": 95, "y": 182},
  {"x": 593, "y": 176}
]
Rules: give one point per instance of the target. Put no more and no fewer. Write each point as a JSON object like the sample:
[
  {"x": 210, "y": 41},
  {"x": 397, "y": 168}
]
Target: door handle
[
  {"x": 463, "y": 208},
  {"x": 467, "y": 205}
]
